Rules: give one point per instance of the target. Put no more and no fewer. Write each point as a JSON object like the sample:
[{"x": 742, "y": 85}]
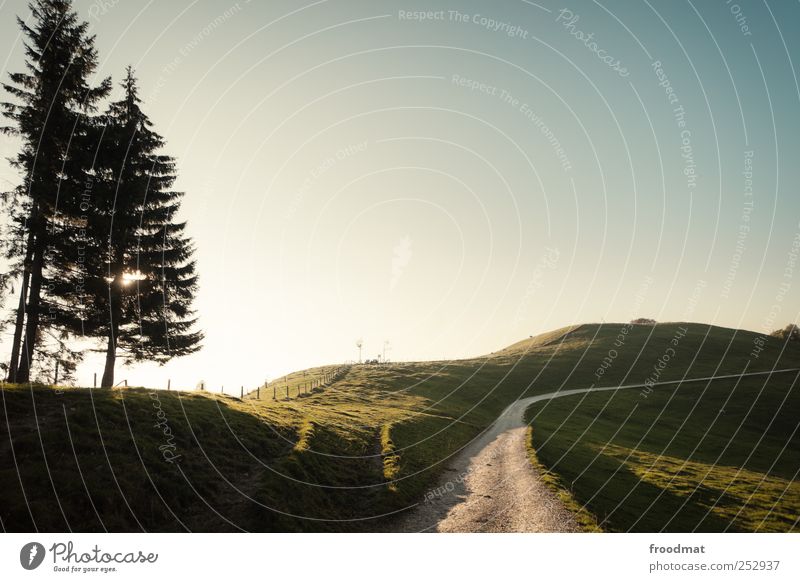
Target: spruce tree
[
  {"x": 52, "y": 100},
  {"x": 137, "y": 271}
]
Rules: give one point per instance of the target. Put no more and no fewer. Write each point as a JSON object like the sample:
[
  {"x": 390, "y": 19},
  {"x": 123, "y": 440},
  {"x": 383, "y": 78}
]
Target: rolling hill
[{"x": 355, "y": 453}]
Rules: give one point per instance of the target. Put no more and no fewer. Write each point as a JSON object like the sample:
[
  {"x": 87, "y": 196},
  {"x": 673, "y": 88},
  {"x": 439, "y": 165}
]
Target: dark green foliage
[
  {"x": 789, "y": 333},
  {"x": 93, "y": 231},
  {"x": 136, "y": 280},
  {"x": 51, "y": 100}
]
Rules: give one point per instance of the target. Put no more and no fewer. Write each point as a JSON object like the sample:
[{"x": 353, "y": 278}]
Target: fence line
[
  {"x": 292, "y": 390},
  {"x": 300, "y": 389}
]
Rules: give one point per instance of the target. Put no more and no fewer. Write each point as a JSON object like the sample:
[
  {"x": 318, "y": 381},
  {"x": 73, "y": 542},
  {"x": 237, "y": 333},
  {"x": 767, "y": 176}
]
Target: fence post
[
  {"x": 258, "y": 392},
  {"x": 95, "y": 380},
  {"x": 222, "y": 390},
  {"x": 242, "y": 393},
  {"x": 274, "y": 392},
  {"x": 169, "y": 384},
  {"x": 55, "y": 379},
  {"x": 287, "y": 392},
  {"x": 126, "y": 383}
]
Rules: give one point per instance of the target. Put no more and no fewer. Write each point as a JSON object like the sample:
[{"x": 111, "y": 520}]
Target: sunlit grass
[
  {"x": 319, "y": 461},
  {"x": 749, "y": 500},
  {"x": 718, "y": 456}
]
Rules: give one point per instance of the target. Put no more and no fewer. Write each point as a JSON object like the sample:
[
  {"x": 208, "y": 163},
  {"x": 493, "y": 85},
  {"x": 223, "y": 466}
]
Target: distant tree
[
  {"x": 49, "y": 114},
  {"x": 789, "y": 333},
  {"x": 643, "y": 321},
  {"x": 137, "y": 274}
]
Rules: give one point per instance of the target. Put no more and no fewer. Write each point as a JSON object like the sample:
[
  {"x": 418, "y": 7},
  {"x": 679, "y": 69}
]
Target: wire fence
[
  {"x": 298, "y": 385},
  {"x": 291, "y": 386}
]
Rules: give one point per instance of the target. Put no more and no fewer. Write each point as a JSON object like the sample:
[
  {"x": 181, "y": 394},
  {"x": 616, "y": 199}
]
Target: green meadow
[
  {"x": 352, "y": 453},
  {"x": 710, "y": 456}
]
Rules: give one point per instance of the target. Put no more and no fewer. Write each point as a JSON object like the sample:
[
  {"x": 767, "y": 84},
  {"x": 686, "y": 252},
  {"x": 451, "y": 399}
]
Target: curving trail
[{"x": 490, "y": 486}]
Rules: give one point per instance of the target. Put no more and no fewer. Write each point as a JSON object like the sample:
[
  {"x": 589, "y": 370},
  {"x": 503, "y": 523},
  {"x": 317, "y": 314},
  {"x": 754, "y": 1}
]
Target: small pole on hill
[
  {"x": 55, "y": 377},
  {"x": 258, "y": 392},
  {"x": 169, "y": 384},
  {"x": 126, "y": 383},
  {"x": 287, "y": 392},
  {"x": 274, "y": 392},
  {"x": 241, "y": 395},
  {"x": 95, "y": 380},
  {"x": 222, "y": 389}
]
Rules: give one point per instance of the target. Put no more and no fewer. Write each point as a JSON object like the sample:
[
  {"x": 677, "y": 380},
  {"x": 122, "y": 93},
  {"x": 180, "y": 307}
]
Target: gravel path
[{"x": 490, "y": 486}]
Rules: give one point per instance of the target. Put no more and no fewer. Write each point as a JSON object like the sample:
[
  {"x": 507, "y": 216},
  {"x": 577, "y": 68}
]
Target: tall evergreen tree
[
  {"x": 53, "y": 98},
  {"x": 137, "y": 277}
]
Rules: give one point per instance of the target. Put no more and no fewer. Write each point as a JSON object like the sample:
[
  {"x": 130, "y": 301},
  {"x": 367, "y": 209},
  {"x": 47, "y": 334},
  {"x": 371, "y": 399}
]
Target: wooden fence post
[
  {"x": 242, "y": 393},
  {"x": 258, "y": 392},
  {"x": 55, "y": 378},
  {"x": 95, "y": 380},
  {"x": 274, "y": 392},
  {"x": 169, "y": 384}
]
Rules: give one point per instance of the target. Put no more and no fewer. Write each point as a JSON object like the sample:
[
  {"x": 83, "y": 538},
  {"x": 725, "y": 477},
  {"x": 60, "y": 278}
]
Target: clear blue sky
[{"x": 456, "y": 183}]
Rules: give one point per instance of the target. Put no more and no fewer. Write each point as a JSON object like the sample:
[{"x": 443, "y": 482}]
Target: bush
[{"x": 789, "y": 333}]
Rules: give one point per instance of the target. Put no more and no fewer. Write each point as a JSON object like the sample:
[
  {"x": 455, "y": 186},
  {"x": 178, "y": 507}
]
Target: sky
[{"x": 451, "y": 177}]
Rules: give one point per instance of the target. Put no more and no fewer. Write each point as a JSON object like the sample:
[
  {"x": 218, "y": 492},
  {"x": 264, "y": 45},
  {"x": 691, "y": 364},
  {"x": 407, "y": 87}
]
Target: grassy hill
[
  {"x": 343, "y": 457},
  {"x": 706, "y": 456}
]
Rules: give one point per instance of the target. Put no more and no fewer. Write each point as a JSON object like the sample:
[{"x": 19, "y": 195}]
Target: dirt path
[{"x": 490, "y": 486}]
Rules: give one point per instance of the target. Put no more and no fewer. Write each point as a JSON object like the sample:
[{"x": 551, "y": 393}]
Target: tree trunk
[
  {"x": 111, "y": 356},
  {"x": 19, "y": 324},
  {"x": 113, "y": 333},
  {"x": 34, "y": 304}
]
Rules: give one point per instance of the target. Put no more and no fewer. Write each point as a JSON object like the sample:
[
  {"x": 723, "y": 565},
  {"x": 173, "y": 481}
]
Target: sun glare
[{"x": 128, "y": 278}]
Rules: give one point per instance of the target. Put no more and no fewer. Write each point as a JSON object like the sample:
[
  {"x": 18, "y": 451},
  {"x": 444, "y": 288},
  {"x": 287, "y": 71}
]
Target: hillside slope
[
  {"x": 344, "y": 457},
  {"x": 719, "y": 455}
]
